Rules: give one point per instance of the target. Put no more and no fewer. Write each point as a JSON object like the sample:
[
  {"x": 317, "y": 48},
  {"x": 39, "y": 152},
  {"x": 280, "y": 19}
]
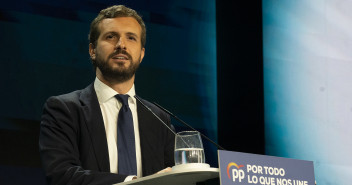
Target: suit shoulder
[
  {"x": 68, "y": 97},
  {"x": 72, "y": 97}
]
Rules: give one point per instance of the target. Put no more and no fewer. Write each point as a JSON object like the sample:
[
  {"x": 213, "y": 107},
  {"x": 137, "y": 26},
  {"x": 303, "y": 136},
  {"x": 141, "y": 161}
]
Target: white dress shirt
[{"x": 110, "y": 107}]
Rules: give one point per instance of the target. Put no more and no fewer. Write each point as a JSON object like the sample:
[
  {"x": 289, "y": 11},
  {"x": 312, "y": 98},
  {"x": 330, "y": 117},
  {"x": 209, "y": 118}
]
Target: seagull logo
[{"x": 230, "y": 165}]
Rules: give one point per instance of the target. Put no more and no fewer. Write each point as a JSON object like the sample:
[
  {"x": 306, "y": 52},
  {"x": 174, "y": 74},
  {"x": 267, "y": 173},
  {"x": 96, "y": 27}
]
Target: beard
[{"x": 117, "y": 74}]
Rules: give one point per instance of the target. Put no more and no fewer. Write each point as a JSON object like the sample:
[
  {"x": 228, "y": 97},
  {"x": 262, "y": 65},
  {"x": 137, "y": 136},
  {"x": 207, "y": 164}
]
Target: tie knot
[{"x": 123, "y": 98}]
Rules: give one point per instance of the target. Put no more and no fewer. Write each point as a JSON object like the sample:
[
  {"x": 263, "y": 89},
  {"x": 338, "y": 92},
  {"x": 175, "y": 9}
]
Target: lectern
[{"x": 188, "y": 176}]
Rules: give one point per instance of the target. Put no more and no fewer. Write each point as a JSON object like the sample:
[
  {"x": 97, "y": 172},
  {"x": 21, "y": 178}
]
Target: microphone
[
  {"x": 150, "y": 110},
  {"x": 178, "y": 119}
]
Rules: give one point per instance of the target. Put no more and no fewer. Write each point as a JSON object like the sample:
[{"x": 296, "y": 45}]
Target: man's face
[{"x": 118, "y": 52}]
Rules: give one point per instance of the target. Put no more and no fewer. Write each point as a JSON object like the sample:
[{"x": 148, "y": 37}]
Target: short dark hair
[{"x": 113, "y": 12}]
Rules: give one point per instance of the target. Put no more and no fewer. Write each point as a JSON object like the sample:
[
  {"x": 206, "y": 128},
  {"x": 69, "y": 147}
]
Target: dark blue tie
[{"x": 125, "y": 139}]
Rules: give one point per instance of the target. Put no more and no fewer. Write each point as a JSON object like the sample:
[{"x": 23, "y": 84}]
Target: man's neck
[{"x": 120, "y": 87}]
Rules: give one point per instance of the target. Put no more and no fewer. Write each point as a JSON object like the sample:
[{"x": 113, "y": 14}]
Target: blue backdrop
[{"x": 307, "y": 84}]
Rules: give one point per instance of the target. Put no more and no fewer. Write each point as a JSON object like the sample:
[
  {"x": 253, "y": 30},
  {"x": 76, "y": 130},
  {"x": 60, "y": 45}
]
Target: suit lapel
[
  {"x": 143, "y": 134},
  {"x": 95, "y": 124},
  {"x": 149, "y": 128}
]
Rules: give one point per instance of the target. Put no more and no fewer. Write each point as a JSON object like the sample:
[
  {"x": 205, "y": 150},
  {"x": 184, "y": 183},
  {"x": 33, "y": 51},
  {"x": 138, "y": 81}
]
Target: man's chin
[
  {"x": 117, "y": 68},
  {"x": 120, "y": 67},
  {"x": 117, "y": 77}
]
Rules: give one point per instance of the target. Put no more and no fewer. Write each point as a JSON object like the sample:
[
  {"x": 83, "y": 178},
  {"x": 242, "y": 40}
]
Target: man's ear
[
  {"x": 142, "y": 54},
  {"x": 92, "y": 51}
]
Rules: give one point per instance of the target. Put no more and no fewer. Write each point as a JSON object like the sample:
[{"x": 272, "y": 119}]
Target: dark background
[
  {"x": 239, "y": 79},
  {"x": 240, "y": 76}
]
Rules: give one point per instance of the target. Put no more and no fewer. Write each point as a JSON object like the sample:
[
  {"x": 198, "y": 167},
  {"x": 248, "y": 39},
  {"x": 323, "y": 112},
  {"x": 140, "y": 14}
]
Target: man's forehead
[{"x": 120, "y": 23}]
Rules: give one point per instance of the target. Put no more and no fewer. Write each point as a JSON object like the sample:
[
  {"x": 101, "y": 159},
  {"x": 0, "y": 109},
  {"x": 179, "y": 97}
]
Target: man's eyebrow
[{"x": 111, "y": 32}]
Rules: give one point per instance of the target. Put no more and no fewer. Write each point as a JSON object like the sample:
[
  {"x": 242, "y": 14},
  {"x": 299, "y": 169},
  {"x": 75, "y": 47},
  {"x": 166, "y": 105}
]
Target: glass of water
[{"x": 189, "y": 148}]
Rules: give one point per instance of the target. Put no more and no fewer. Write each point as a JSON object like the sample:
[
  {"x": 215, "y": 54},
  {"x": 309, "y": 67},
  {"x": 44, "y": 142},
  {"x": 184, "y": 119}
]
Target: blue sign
[{"x": 250, "y": 169}]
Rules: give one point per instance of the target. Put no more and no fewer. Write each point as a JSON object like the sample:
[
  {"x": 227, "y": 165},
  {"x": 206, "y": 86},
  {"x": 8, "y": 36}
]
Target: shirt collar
[{"x": 105, "y": 93}]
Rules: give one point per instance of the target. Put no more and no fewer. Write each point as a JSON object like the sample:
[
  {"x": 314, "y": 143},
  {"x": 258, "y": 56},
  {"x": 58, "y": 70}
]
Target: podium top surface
[{"x": 176, "y": 177}]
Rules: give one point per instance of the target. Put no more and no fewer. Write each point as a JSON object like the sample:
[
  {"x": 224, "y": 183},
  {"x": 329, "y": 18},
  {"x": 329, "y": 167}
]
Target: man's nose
[{"x": 121, "y": 44}]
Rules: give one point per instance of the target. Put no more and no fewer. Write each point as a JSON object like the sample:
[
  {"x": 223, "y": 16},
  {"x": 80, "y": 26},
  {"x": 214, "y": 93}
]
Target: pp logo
[{"x": 237, "y": 173}]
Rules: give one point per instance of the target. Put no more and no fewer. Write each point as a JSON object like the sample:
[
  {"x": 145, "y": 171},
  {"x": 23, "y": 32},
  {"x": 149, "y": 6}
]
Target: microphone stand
[
  {"x": 150, "y": 110},
  {"x": 168, "y": 112}
]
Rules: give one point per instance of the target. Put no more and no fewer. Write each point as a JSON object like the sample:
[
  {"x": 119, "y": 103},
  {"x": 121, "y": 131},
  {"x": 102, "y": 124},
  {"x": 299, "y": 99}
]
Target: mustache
[{"x": 120, "y": 51}]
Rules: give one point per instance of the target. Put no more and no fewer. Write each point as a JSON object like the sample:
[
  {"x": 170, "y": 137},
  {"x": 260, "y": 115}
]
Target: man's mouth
[{"x": 120, "y": 57}]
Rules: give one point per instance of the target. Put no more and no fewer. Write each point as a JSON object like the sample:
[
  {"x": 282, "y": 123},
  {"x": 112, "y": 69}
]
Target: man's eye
[
  {"x": 110, "y": 36},
  {"x": 132, "y": 38}
]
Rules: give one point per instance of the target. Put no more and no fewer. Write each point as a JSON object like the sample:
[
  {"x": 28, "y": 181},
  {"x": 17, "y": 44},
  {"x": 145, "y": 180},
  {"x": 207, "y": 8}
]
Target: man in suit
[{"x": 79, "y": 134}]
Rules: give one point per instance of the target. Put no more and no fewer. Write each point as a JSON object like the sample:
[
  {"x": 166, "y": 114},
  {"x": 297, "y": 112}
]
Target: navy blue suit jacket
[{"x": 73, "y": 144}]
